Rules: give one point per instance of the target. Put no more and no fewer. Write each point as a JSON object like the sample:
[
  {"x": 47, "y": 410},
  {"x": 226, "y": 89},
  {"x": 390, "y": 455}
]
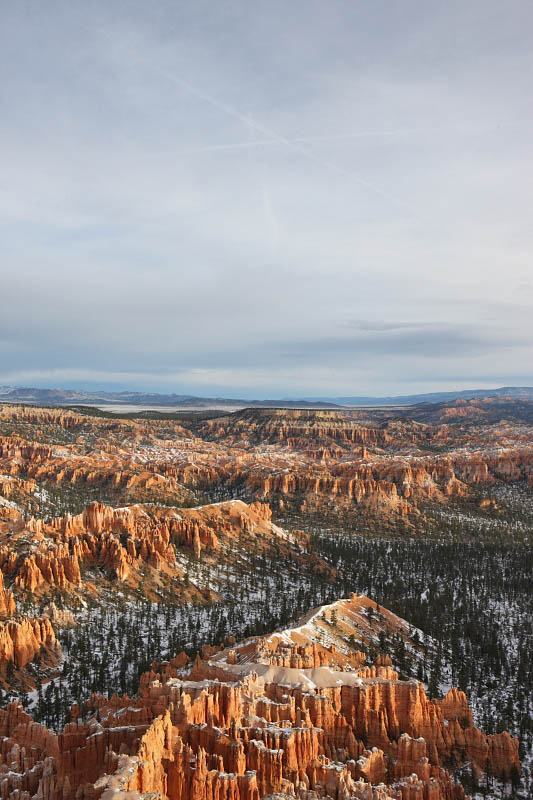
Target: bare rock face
[
  {"x": 278, "y": 715},
  {"x": 21, "y": 640},
  {"x": 7, "y": 601},
  {"x": 313, "y": 460},
  {"x": 341, "y": 459},
  {"x": 60, "y": 617},
  {"x": 122, "y": 542}
]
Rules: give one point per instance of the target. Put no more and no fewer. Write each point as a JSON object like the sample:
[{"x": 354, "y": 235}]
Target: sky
[{"x": 266, "y": 199}]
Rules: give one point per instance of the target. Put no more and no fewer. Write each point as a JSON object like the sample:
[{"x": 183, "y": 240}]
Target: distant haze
[
  {"x": 280, "y": 199},
  {"x": 136, "y": 401}
]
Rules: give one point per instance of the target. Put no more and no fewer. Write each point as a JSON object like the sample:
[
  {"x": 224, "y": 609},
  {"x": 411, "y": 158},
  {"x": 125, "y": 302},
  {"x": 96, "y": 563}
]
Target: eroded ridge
[
  {"x": 381, "y": 462},
  {"x": 292, "y": 712}
]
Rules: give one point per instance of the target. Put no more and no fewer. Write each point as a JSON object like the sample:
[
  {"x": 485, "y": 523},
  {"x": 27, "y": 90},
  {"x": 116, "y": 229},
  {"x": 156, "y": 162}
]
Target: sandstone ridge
[
  {"x": 44, "y": 558},
  {"x": 286, "y": 713},
  {"x": 355, "y": 461}
]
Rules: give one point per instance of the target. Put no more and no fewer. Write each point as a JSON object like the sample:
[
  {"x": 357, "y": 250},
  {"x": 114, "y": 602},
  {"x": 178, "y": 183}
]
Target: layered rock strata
[
  {"x": 351, "y": 461},
  {"x": 44, "y": 558},
  {"x": 241, "y": 724},
  {"x": 21, "y": 639}
]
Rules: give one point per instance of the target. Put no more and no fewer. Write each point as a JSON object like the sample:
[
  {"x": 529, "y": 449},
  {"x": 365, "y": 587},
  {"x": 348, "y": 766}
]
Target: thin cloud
[
  {"x": 258, "y": 143},
  {"x": 330, "y": 138},
  {"x": 275, "y": 268},
  {"x": 292, "y": 144}
]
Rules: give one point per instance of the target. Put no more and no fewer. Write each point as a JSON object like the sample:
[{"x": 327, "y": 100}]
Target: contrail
[
  {"x": 275, "y": 137},
  {"x": 334, "y": 137},
  {"x": 250, "y": 144}
]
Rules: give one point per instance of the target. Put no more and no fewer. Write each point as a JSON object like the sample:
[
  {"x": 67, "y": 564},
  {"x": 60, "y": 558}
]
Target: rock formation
[
  {"x": 21, "y": 639},
  {"x": 275, "y": 714},
  {"x": 375, "y": 463},
  {"x": 44, "y": 558},
  {"x": 298, "y": 713},
  {"x": 7, "y": 601}
]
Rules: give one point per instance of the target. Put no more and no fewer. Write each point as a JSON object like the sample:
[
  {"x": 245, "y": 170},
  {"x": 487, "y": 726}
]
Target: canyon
[
  {"x": 334, "y": 462},
  {"x": 170, "y": 557}
]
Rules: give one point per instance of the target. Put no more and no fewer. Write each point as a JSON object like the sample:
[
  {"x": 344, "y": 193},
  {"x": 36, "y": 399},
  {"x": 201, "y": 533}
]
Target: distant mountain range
[
  {"x": 69, "y": 397},
  {"x": 516, "y": 392},
  {"x": 64, "y": 397}
]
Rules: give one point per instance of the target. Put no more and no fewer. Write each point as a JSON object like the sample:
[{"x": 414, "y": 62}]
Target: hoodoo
[
  {"x": 285, "y": 713},
  {"x": 124, "y": 542}
]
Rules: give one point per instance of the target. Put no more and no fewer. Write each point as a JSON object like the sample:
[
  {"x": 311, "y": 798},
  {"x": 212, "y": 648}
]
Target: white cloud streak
[{"x": 292, "y": 144}]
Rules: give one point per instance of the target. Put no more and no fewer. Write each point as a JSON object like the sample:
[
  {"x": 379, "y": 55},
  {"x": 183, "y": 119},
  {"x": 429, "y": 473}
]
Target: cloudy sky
[{"x": 266, "y": 199}]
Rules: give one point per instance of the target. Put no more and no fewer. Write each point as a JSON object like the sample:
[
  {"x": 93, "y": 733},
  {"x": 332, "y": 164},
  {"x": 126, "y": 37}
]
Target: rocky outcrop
[
  {"x": 295, "y": 428},
  {"x": 122, "y": 542},
  {"x": 388, "y": 485},
  {"x": 7, "y": 601},
  {"x": 278, "y": 714},
  {"x": 60, "y": 617},
  {"x": 21, "y": 640},
  {"x": 297, "y": 713},
  {"x": 335, "y": 461},
  {"x": 340, "y": 459}
]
